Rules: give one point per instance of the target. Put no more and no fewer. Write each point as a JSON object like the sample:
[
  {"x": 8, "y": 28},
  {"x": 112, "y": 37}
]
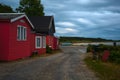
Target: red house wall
[
  {"x": 33, "y": 47},
  {"x": 19, "y": 49},
  {"x": 52, "y": 42},
  {"x": 4, "y": 40},
  {"x": 10, "y": 47},
  {"x": 49, "y": 41},
  {"x": 56, "y": 43}
]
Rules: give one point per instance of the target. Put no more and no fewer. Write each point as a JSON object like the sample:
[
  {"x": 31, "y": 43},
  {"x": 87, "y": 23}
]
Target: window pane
[
  {"x": 18, "y": 33},
  {"x": 38, "y": 42},
  {"x": 22, "y": 34}
]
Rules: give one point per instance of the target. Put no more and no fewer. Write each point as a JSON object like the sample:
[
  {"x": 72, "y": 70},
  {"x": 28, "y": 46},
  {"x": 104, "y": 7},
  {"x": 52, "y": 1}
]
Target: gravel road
[{"x": 68, "y": 65}]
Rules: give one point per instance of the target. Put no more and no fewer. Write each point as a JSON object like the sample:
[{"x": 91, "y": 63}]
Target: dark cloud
[
  {"x": 84, "y": 18},
  {"x": 88, "y": 18}
]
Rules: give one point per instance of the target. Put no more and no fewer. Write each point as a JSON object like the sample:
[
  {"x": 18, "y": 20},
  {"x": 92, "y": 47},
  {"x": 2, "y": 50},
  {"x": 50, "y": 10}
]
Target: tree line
[
  {"x": 30, "y": 7},
  {"x": 82, "y": 39}
]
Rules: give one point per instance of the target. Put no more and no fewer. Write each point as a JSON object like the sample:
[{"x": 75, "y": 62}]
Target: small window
[
  {"x": 21, "y": 33},
  {"x": 38, "y": 42},
  {"x": 44, "y": 42}
]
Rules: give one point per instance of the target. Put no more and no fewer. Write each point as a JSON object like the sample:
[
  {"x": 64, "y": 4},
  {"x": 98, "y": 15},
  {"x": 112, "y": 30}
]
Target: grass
[{"x": 104, "y": 70}]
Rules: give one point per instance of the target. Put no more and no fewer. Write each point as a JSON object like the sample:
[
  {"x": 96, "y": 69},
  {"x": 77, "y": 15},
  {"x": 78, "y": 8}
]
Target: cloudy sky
[{"x": 83, "y": 18}]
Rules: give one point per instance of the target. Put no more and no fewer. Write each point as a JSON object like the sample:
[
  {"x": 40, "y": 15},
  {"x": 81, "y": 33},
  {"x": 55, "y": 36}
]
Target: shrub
[
  {"x": 114, "y": 56},
  {"x": 48, "y": 49},
  {"x": 89, "y": 48},
  {"x": 98, "y": 50}
]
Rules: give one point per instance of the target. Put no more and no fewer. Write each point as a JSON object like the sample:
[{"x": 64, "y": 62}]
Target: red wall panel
[
  {"x": 52, "y": 42},
  {"x": 4, "y": 40},
  {"x": 19, "y": 49},
  {"x": 33, "y": 48},
  {"x": 10, "y": 47}
]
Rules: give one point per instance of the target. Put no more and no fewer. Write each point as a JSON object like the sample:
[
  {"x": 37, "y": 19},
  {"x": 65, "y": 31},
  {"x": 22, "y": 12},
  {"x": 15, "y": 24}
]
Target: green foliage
[
  {"x": 31, "y": 7},
  {"x": 48, "y": 49},
  {"x": 114, "y": 51},
  {"x": 5, "y": 9},
  {"x": 115, "y": 56},
  {"x": 81, "y": 39},
  {"x": 105, "y": 71},
  {"x": 89, "y": 48}
]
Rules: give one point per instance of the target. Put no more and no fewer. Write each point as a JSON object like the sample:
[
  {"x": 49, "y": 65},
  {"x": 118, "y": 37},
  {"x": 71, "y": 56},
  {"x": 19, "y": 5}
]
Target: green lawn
[{"x": 104, "y": 70}]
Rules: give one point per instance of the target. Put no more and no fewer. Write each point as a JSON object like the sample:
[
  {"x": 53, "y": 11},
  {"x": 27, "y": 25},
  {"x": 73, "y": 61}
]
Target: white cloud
[
  {"x": 70, "y": 30},
  {"x": 65, "y": 30},
  {"x": 88, "y": 2},
  {"x": 85, "y": 21},
  {"x": 66, "y": 24}
]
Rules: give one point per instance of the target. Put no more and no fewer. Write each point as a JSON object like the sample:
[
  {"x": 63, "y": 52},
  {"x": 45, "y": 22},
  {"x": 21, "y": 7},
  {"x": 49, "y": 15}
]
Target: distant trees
[
  {"x": 5, "y": 9},
  {"x": 31, "y": 7},
  {"x": 82, "y": 39}
]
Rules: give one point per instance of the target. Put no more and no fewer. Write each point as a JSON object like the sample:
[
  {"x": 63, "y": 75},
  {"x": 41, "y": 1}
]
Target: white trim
[
  {"x": 50, "y": 22},
  {"x": 14, "y": 19},
  {"x": 12, "y": 13},
  {"x": 23, "y": 37},
  {"x": 44, "y": 41},
  {"x": 36, "y": 42},
  {"x": 29, "y": 22},
  {"x": 22, "y": 15}
]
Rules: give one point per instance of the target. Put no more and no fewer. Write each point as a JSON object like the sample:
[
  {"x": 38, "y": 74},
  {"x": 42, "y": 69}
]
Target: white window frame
[
  {"x": 22, "y": 35},
  {"x": 44, "y": 41},
  {"x": 37, "y": 43}
]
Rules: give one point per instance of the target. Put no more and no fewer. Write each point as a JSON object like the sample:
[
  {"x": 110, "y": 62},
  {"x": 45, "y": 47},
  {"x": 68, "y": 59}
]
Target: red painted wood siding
[
  {"x": 10, "y": 47},
  {"x": 56, "y": 43},
  {"x": 33, "y": 47},
  {"x": 52, "y": 42},
  {"x": 4, "y": 40},
  {"x": 19, "y": 49}
]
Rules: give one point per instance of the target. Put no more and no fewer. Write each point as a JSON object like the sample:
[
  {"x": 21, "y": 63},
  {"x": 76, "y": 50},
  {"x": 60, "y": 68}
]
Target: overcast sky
[{"x": 83, "y": 18}]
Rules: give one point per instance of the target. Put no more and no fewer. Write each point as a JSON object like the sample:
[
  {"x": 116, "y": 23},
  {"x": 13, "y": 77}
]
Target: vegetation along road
[{"x": 68, "y": 65}]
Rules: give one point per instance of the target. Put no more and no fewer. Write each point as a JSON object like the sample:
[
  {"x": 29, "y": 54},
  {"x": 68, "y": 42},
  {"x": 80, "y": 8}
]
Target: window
[
  {"x": 21, "y": 33},
  {"x": 38, "y": 42},
  {"x": 44, "y": 42}
]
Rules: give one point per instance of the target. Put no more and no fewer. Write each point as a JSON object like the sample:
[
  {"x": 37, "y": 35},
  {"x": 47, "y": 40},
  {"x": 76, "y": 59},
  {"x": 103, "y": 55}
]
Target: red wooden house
[
  {"x": 19, "y": 37},
  {"x": 45, "y": 24}
]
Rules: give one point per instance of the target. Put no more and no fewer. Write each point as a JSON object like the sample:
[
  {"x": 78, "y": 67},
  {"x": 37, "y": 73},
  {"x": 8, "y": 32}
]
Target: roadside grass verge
[{"x": 104, "y": 70}]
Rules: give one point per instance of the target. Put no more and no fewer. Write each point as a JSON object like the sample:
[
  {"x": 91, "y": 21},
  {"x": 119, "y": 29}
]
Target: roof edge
[
  {"x": 51, "y": 20},
  {"x": 19, "y": 17},
  {"x": 12, "y": 13}
]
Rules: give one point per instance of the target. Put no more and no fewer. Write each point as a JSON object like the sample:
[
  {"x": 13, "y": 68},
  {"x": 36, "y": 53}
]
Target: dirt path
[{"x": 68, "y": 65}]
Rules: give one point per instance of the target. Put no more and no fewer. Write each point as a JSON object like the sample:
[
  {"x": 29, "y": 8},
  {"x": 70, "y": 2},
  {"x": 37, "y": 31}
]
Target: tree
[
  {"x": 31, "y": 7},
  {"x": 5, "y": 9}
]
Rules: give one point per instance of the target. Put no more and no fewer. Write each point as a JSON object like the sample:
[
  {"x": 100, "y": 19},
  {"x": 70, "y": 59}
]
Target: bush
[
  {"x": 48, "y": 49},
  {"x": 98, "y": 50},
  {"x": 89, "y": 48},
  {"x": 114, "y": 56}
]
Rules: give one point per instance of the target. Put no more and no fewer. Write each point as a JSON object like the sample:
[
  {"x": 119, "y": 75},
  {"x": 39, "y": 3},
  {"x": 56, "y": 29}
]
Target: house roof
[
  {"x": 9, "y": 15},
  {"x": 43, "y": 24},
  {"x": 13, "y": 17}
]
